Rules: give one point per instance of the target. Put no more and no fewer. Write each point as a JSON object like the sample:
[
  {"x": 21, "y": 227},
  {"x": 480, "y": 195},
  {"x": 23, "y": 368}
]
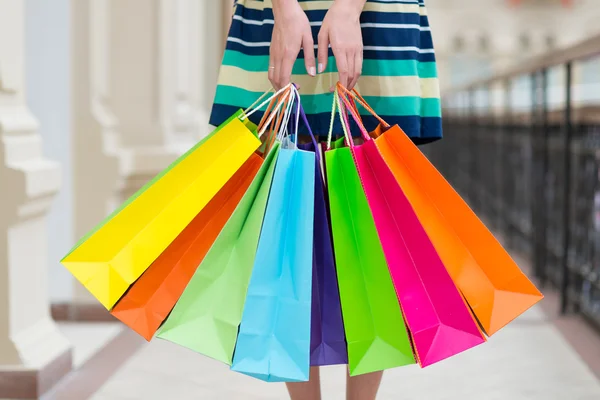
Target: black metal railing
[{"x": 529, "y": 164}]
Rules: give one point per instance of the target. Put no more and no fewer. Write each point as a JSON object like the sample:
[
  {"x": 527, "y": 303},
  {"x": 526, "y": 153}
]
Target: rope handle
[
  {"x": 287, "y": 113},
  {"x": 300, "y": 113},
  {"x": 337, "y": 106},
  {"x": 355, "y": 116},
  {"x": 254, "y": 108},
  {"x": 267, "y": 112},
  {"x": 352, "y": 109},
  {"x": 273, "y": 128},
  {"x": 283, "y": 100},
  {"x": 356, "y": 96},
  {"x": 266, "y": 146}
]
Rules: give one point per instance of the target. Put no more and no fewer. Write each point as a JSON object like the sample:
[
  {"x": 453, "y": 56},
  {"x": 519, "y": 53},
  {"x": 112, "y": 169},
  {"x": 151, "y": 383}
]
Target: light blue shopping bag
[{"x": 274, "y": 338}]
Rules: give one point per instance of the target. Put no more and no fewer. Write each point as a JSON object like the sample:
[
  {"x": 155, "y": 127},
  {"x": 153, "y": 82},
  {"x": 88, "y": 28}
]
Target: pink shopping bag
[{"x": 437, "y": 316}]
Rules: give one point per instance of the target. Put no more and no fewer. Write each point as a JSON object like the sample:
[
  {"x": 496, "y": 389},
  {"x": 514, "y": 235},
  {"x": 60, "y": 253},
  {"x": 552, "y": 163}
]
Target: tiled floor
[
  {"x": 529, "y": 360},
  {"x": 88, "y": 338}
]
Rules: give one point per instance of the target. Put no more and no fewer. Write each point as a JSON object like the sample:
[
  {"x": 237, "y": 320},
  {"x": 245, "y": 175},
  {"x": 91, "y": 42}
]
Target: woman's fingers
[
  {"x": 275, "y": 61},
  {"x": 357, "y": 68},
  {"x": 323, "y": 51},
  {"x": 272, "y": 64},
  {"x": 341, "y": 60},
  {"x": 287, "y": 40},
  {"x": 278, "y": 64},
  {"x": 349, "y": 63},
  {"x": 286, "y": 66},
  {"x": 308, "y": 45},
  {"x": 291, "y": 32},
  {"x": 351, "y": 67},
  {"x": 280, "y": 67},
  {"x": 341, "y": 29}
]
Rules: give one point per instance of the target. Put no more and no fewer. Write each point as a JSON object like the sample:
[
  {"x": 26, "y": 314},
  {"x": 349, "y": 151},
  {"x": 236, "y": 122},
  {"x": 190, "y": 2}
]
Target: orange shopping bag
[
  {"x": 492, "y": 283},
  {"x": 152, "y": 297},
  {"x": 150, "y": 300}
]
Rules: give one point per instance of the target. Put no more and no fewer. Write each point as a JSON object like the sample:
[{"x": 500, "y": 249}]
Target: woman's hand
[
  {"x": 341, "y": 30},
  {"x": 291, "y": 32}
]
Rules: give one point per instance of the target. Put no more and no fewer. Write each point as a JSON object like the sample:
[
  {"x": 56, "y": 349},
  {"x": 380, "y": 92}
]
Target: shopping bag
[
  {"x": 274, "y": 338},
  {"x": 375, "y": 330},
  {"x": 439, "y": 320},
  {"x": 207, "y": 316},
  {"x": 151, "y": 298},
  {"x": 327, "y": 339},
  {"x": 492, "y": 283},
  {"x": 113, "y": 255},
  {"x": 208, "y": 313}
]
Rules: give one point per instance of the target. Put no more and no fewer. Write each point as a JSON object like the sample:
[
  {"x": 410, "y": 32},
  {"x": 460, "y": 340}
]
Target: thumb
[
  {"x": 323, "y": 53},
  {"x": 308, "y": 45}
]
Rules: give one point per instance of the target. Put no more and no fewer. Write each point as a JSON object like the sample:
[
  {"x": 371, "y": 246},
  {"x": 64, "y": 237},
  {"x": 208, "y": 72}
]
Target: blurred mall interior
[{"x": 98, "y": 96}]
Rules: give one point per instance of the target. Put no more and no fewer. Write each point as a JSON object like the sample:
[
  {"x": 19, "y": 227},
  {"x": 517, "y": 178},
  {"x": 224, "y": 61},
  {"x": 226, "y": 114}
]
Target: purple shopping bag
[{"x": 327, "y": 340}]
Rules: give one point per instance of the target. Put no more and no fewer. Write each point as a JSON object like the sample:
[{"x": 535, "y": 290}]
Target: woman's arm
[
  {"x": 341, "y": 30},
  {"x": 291, "y": 32}
]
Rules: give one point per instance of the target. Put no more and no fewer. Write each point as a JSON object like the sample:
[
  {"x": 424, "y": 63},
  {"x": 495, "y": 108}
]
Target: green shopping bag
[
  {"x": 207, "y": 316},
  {"x": 375, "y": 330}
]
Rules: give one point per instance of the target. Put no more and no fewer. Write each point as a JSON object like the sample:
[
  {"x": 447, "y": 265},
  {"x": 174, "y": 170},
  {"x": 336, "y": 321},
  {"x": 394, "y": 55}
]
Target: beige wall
[
  {"x": 132, "y": 90},
  {"x": 29, "y": 183}
]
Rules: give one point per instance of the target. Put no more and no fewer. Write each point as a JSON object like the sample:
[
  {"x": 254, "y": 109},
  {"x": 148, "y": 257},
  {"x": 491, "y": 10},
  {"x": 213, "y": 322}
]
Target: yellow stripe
[
  {"x": 324, "y": 5},
  {"x": 397, "y": 8},
  {"x": 367, "y": 85}
]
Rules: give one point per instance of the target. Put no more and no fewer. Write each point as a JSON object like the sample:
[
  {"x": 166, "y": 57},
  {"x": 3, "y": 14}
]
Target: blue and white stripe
[{"x": 396, "y": 34}]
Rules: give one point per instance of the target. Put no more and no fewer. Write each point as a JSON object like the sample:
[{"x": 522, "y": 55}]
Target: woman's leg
[
  {"x": 363, "y": 387},
  {"x": 310, "y": 390}
]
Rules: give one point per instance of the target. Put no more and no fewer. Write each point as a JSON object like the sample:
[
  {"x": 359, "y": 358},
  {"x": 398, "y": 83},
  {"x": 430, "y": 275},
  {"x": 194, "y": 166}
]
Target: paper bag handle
[
  {"x": 356, "y": 96},
  {"x": 301, "y": 113}
]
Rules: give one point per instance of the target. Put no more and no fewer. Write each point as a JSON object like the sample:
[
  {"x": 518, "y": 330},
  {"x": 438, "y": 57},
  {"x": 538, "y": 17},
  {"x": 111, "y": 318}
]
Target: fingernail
[
  {"x": 312, "y": 71},
  {"x": 320, "y": 67}
]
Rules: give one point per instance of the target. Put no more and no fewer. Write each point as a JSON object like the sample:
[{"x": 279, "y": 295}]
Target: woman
[
  {"x": 388, "y": 41},
  {"x": 316, "y": 43}
]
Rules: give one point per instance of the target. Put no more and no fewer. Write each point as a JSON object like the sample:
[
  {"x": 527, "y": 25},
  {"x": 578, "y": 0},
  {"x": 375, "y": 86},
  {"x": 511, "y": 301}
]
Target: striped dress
[{"x": 399, "y": 76}]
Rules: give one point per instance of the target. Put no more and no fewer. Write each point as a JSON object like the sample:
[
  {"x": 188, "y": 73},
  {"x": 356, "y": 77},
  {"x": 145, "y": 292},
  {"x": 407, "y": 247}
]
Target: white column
[
  {"x": 176, "y": 55},
  {"x": 153, "y": 83},
  {"x": 48, "y": 74},
  {"x": 144, "y": 82},
  {"x": 214, "y": 20},
  {"x": 29, "y": 339},
  {"x": 97, "y": 151}
]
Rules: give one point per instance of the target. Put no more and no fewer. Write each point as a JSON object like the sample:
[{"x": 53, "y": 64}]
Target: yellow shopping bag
[{"x": 113, "y": 255}]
